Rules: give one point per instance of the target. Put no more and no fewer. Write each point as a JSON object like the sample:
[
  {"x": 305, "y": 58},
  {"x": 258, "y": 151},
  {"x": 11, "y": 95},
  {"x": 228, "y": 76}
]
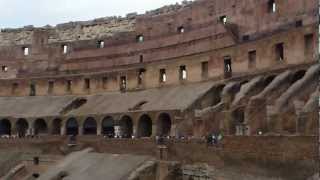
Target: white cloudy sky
[{"x": 18, "y": 13}]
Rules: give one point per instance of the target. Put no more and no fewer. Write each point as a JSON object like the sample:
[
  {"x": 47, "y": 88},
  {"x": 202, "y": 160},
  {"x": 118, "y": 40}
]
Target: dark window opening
[
  {"x": 100, "y": 44},
  {"x": 14, "y": 88},
  {"x": 123, "y": 83},
  {"x": 163, "y": 76},
  {"x": 272, "y": 6},
  {"x": 141, "y": 58},
  {"x": 104, "y": 82},
  {"x": 204, "y": 69},
  {"x": 4, "y": 68},
  {"x": 50, "y": 87},
  {"x": 64, "y": 49},
  {"x": 87, "y": 84},
  {"x": 227, "y": 67},
  {"x": 140, "y": 38},
  {"x": 140, "y": 76},
  {"x": 299, "y": 23},
  {"x": 308, "y": 44},
  {"x": 279, "y": 48},
  {"x": 246, "y": 38},
  {"x": 32, "y": 90},
  {"x": 252, "y": 59},
  {"x": 25, "y": 51},
  {"x": 69, "y": 85},
  {"x": 223, "y": 19},
  {"x": 180, "y": 29},
  {"x": 182, "y": 72}
]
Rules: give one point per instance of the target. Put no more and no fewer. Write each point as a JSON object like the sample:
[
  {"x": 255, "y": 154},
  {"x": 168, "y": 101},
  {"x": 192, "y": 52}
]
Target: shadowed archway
[
  {"x": 164, "y": 125},
  {"x": 56, "y": 126},
  {"x": 22, "y": 127},
  {"x": 107, "y": 126},
  {"x": 126, "y": 127},
  {"x": 5, "y": 127},
  {"x": 144, "y": 126},
  {"x": 40, "y": 127},
  {"x": 90, "y": 126},
  {"x": 72, "y": 127}
]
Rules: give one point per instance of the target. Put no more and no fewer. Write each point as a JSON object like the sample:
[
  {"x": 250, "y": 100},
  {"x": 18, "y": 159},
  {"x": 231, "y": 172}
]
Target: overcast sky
[{"x": 18, "y": 13}]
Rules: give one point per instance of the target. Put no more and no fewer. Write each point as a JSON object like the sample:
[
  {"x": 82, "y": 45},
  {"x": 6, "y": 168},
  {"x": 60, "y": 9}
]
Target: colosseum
[{"x": 206, "y": 89}]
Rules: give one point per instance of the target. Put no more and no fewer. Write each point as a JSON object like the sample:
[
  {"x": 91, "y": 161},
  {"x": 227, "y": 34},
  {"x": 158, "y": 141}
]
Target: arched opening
[
  {"x": 5, "y": 127},
  {"x": 126, "y": 127},
  {"x": 90, "y": 126},
  {"x": 40, "y": 127},
  {"x": 145, "y": 126},
  {"x": 56, "y": 126},
  {"x": 22, "y": 127},
  {"x": 108, "y": 126},
  {"x": 297, "y": 76},
  {"x": 164, "y": 125},
  {"x": 72, "y": 127}
]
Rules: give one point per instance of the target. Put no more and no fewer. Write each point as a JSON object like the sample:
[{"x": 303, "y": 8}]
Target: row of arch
[{"x": 122, "y": 128}]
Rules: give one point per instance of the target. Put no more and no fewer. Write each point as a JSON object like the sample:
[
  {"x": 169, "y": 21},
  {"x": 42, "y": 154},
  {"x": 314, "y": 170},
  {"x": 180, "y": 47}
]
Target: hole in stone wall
[
  {"x": 180, "y": 29},
  {"x": 279, "y": 51},
  {"x": 105, "y": 82},
  {"x": 32, "y": 90},
  {"x": 246, "y": 38},
  {"x": 140, "y": 76},
  {"x": 163, "y": 76},
  {"x": 227, "y": 67},
  {"x": 25, "y": 51},
  {"x": 272, "y": 6},
  {"x": 69, "y": 85},
  {"x": 252, "y": 59},
  {"x": 182, "y": 72},
  {"x": 205, "y": 70},
  {"x": 87, "y": 83},
  {"x": 4, "y": 68},
  {"x": 123, "y": 83},
  {"x": 223, "y": 19},
  {"x": 65, "y": 49},
  {"x": 140, "y": 38},
  {"x": 299, "y": 23},
  {"x": 308, "y": 44},
  {"x": 50, "y": 87},
  {"x": 100, "y": 44}
]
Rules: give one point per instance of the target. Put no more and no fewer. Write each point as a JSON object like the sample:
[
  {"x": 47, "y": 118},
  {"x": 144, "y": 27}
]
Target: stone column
[
  {"x": 63, "y": 131},
  {"x": 154, "y": 130},
  {"x": 80, "y": 130},
  {"x": 99, "y": 129},
  {"x": 135, "y": 131}
]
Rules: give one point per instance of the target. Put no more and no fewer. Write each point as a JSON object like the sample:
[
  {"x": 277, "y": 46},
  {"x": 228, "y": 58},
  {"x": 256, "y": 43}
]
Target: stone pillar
[
  {"x": 227, "y": 123},
  {"x": 63, "y": 131},
  {"x": 135, "y": 131},
  {"x": 154, "y": 130},
  {"x": 173, "y": 130},
  {"x": 80, "y": 129},
  {"x": 99, "y": 130},
  {"x": 30, "y": 131}
]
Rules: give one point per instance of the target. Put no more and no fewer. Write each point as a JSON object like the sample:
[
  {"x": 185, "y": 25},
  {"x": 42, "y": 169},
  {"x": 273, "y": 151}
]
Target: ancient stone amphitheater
[{"x": 229, "y": 87}]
